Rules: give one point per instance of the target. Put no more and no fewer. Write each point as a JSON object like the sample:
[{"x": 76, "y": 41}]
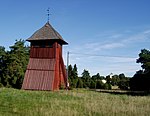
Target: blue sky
[{"x": 94, "y": 27}]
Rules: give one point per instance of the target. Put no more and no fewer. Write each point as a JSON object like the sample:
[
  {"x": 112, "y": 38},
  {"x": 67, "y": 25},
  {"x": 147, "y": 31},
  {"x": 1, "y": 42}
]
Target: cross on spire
[{"x": 48, "y": 14}]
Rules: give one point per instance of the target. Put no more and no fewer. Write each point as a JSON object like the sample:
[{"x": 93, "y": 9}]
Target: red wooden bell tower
[{"x": 45, "y": 70}]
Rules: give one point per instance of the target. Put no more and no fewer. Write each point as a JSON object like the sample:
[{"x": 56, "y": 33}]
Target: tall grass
[{"x": 77, "y": 102}]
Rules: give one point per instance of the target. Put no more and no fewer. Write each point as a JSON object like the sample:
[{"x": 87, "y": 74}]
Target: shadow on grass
[{"x": 122, "y": 92}]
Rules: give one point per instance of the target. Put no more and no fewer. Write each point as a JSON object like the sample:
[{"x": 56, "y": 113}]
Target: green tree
[
  {"x": 121, "y": 81},
  {"x": 15, "y": 62},
  {"x": 106, "y": 86},
  {"x": 108, "y": 79},
  {"x": 97, "y": 77},
  {"x": 75, "y": 72},
  {"x": 70, "y": 71},
  {"x": 2, "y": 51},
  {"x": 124, "y": 84},
  {"x": 93, "y": 84},
  {"x": 86, "y": 78},
  {"x": 141, "y": 80},
  {"x": 2, "y": 54},
  {"x": 99, "y": 84},
  {"x": 121, "y": 76},
  {"x": 73, "y": 75},
  {"x": 144, "y": 59},
  {"x": 79, "y": 83},
  {"x": 86, "y": 74},
  {"x": 70, "y": 77},
  {"x": 115, "y": 80}
]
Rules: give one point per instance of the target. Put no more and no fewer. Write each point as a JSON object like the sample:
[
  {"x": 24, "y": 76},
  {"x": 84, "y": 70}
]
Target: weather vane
[{"x": 48, "y": 14}]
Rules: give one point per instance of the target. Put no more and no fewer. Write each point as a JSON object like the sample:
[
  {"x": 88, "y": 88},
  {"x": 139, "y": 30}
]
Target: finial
[{"x": 48, "y": 14}]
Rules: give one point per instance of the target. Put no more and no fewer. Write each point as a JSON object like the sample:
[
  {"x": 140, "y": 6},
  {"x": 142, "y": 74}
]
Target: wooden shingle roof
[{"x": 47, "y": 32}]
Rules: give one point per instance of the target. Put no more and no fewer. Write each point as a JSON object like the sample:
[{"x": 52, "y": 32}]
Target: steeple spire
[{"x": 48, "y": 15}]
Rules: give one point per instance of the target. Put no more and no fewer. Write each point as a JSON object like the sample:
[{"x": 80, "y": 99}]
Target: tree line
[
  {"x": 140, "y": 81},
  {"x": 13, "y": 65},
  {"x": 95, "y": 81}
]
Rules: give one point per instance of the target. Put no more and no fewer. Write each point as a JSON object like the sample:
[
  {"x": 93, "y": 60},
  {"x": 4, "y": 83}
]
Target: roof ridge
[{"x": 56, "y": 33}]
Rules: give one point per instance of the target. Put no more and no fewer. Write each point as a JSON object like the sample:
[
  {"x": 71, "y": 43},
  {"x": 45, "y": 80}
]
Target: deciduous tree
[{"x": 141, "y": 80}]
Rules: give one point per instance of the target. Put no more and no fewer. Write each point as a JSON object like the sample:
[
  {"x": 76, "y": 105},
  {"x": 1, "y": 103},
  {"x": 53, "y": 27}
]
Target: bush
[
  {"x": 1, "y": 85},
  {"x": 62, "y": 86},
  {"x": 92, "y": 84},
  {"x": 124, "y": 85},
  {"x": 99, "y": 84},
  {"x": 107, "y": 86}
]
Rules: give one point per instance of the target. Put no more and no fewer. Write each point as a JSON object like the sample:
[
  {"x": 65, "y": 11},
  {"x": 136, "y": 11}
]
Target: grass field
[{"x": 79, "y": 102}]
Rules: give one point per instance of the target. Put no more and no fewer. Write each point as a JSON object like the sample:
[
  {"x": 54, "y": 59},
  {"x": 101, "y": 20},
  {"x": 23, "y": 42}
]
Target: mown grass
[{"x": 79, "y": 102}]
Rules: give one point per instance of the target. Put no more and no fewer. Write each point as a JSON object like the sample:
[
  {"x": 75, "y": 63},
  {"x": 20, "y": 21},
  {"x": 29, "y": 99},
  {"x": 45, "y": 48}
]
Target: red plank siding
[
  {"x": 41, "y": 64},
  {"x": 36, "y": 52},
  {"x": 45, "y": 74},
  {"x": 38, "y": 80},
  {"x": 56, "y": 83},
  {"x": 63, "y": 73}
]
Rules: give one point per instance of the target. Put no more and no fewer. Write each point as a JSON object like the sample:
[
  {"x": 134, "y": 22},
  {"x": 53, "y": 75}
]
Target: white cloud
[
  {"x": 99, "y": 46},
  {"x": 139, "y": 37},
  {"x": 114, "y": 36},
  {"x": 119, "y": 40},
  {"x": 122, "y": 59},
  {"x": 106, "y": 65},
  {"x": 147, "y": 32},
  {"x": 112, "y": 41},
  {"x": 111, "y": 45}
]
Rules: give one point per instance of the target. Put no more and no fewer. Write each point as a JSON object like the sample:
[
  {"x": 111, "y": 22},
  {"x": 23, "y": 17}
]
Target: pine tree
[
  {"x": 73, "y": 76},
  {"x": 2, "y": 54},
  {"x": 86, "y": 78},
  {"x": 79, "y": 83},
  {"x": 14, "y": 65}
]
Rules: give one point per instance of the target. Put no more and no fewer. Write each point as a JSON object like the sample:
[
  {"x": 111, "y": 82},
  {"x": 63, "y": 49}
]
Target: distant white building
[
  {"x": 104, "y": 81},
  {"x": 111, "y": 74}
]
